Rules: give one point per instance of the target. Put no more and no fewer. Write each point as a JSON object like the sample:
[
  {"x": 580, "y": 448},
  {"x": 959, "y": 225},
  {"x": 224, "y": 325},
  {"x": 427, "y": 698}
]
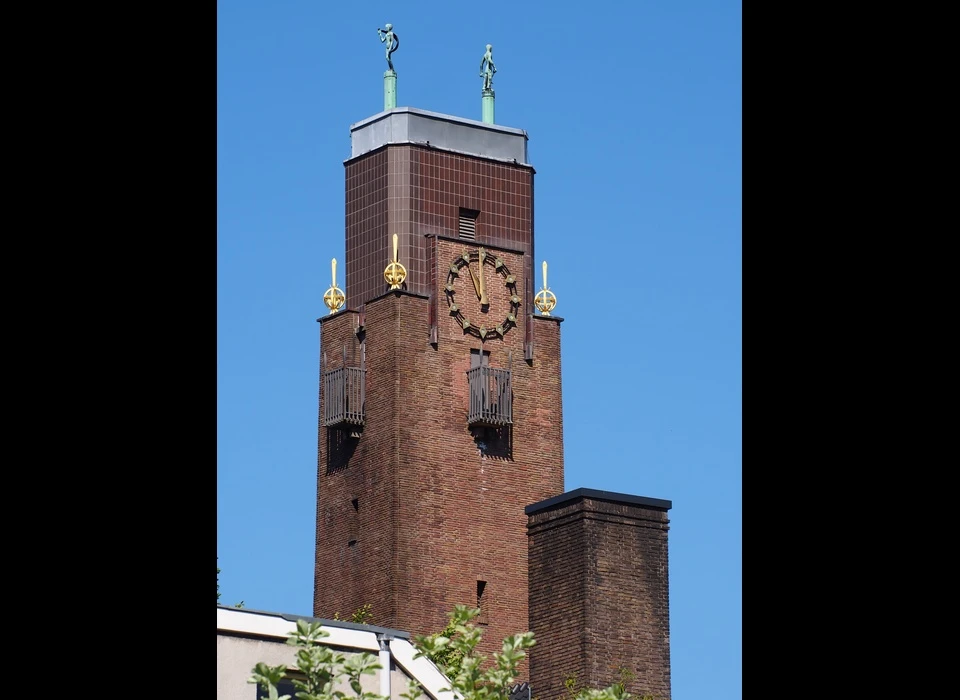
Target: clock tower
[{"x": 440, "y": 398}]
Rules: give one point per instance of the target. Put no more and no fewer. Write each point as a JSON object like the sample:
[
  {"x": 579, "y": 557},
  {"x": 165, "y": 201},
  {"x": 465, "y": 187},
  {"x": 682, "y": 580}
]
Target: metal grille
[
  {"x": 343, "y": 396},
  {"x": 491, "y": 396},
  {"x": 468, "y": 224}
]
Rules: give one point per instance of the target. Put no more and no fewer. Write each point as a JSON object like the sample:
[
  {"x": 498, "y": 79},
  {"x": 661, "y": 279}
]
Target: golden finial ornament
[
  {"x": 334, "y": 297},
  {"x": 545, "y": 301},
  {"x": 395, "y": 273}
]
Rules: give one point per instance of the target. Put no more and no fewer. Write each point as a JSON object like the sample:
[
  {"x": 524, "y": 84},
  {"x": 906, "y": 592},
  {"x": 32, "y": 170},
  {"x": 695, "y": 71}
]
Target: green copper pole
[
  {"x": 487, "y": 106},
  {"x": 389, "y": 90},
  {"x": 392, "y": 41}
]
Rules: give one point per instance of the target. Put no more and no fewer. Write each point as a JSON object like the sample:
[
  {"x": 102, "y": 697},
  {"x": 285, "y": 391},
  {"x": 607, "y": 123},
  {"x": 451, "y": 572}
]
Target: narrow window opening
[
  {"x": 468, "y": 223},
  {"x": 352, "y": 524},
  {"x": 482, "y": 618}
]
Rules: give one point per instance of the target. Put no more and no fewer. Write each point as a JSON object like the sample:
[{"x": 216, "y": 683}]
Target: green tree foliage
[
  {"x": 574, "y": 690},
  {"x": 454, "y": 651},
  {"x": 448, "y": 656},
  {"x": 362, "y": 615},
  {"x": 469, "y": 674},
  {"x": 322, "y": 668}
]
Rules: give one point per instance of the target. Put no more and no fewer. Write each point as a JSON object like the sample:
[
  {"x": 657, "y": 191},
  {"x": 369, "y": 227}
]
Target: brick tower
[{"x": 440, "y": 400}]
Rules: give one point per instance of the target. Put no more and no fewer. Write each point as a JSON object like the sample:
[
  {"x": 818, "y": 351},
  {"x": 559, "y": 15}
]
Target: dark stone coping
[
  {"x": 433, "y": 147},
  {"x": 598, "y": 495},
  {"x": 394, "y": 292}
]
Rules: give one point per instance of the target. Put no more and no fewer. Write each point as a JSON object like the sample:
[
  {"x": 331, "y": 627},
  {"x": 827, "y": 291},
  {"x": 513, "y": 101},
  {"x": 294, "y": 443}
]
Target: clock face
[{"x": 483, "y": 276}]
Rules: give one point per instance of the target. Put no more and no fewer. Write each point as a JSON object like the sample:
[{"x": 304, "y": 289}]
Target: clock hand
[
  {"x": 473, "y": 276},
  {"x": 483, "y": 287}
]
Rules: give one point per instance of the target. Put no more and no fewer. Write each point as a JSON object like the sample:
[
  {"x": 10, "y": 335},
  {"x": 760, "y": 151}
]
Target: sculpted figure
[
  {"x": 487, "y": 68},
  {"x": 392, "y": 41}
]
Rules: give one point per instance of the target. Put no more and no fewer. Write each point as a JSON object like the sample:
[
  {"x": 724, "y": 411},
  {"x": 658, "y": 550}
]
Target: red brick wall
[
  {"x": 348, "y": 576},
  {"x": 436, "y": 514},
  {"x": 599, "y": 596}
]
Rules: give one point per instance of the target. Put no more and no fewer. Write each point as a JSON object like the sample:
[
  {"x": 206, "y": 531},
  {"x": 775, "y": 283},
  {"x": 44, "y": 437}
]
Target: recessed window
[
  {"x": 482, "y": 618},
  {"x": 353, "y": 525},
  {"x": 468, "y": 223}
]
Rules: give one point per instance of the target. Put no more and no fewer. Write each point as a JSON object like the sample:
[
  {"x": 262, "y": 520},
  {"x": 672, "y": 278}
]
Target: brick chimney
[{"x": 598, "y": 591}]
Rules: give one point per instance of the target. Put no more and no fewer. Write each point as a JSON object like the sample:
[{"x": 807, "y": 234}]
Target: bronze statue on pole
[
  {"x": 487, "y": 72},
  {"x": 392, "y": 41}
]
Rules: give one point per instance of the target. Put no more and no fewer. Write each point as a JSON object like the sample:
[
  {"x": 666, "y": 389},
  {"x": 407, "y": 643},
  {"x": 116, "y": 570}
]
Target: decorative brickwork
[{"x": 599, "y": 594}]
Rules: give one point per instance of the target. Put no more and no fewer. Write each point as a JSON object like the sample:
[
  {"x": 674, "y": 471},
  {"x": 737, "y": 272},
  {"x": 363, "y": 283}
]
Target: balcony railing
[
  {"x": 491, "y": 397},
  {"x": 343, "y": 397}
]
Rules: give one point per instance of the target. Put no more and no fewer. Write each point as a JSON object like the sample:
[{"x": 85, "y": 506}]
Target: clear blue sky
[{"x": 634, "y": 115}]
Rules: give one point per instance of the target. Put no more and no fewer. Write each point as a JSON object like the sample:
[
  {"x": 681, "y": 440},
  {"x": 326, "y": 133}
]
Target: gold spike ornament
[
  {"x": 395, "y": 273},
  {"x": 334, "y": 297},
  {"x": 545, "y": 301}
]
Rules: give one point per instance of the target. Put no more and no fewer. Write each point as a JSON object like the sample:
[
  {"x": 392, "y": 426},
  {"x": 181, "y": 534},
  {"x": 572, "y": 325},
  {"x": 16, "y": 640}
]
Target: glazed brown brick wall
[
  {"x": 368, "y": 245},
  {"x": 415, "y": 191},
  {"x": 436, "y": 513},
  {"x": 599, "y": 596}
]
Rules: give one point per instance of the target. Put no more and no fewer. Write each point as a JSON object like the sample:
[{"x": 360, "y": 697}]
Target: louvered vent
[{"x": 468, "y": 224}]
